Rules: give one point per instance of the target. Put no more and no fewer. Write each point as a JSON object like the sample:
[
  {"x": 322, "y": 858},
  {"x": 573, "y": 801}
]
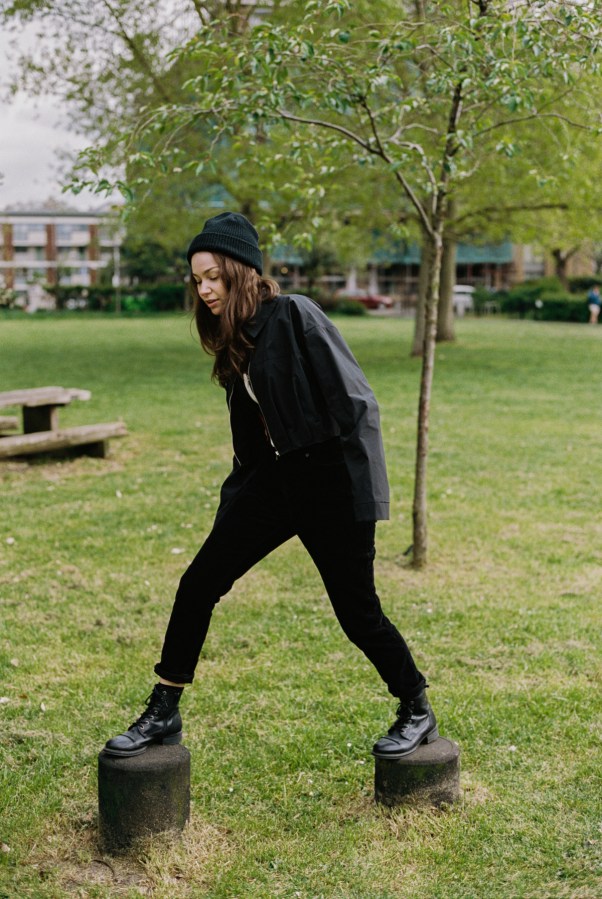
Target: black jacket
[{"x": 310, "y": 389}]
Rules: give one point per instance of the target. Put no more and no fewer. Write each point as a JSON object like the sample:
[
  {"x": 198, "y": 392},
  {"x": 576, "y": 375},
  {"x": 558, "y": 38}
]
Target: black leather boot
[
  {"x": 159, "y": 723},
  {"x": 415, "y": 724}
]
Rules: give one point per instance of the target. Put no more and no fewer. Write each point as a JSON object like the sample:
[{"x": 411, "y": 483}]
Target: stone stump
[
  {"x": 143, "y": 795},
  {"x": 429, "y": 776}
]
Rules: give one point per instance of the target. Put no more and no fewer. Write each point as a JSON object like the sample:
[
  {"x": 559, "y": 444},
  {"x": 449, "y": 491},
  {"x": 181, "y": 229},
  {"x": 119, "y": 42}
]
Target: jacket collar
[{"x": 254, "y": 326}]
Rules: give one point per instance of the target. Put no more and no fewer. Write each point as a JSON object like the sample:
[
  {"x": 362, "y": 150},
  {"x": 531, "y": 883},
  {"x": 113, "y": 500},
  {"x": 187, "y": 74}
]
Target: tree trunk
[
  {"x": 561, "y": 261},
  {"x": 560, "y": 265},
  {"x": 423, "y": 280},
  {"x": 435, "y": 253},
  {"x": 445, "y": 313}
]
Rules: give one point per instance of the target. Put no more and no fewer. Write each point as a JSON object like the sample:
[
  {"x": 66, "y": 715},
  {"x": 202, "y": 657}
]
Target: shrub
[
  {"x": 350, "y": 307},
  {"x": 561, "y": 308},
  {"x": 481, "y": 296},
  {"x": 134, "y": 302},
  {"x": 316, "y": 292},
  {"x": 7, "y": 298},
  {"x": 583, "y": 283},
  {"x": 514, "y": 303},
  {"x": 96, "y": 297},
  {"x": 153, "y": 298},
  {"x": 163, "y": 297},
  {"x": 100, "y": 297},
  {"x": 326, "y": 300},
  {"x": 548, "y": 305},
  {"x": 521, "y": 299},
  {"x": 138, "y": 298},
  {"x": 534, "y": 288}
]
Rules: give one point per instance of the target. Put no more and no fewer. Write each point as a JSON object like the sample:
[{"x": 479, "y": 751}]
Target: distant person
[
  {"x": 308, "y": 461},
  {"x": 593, "y": 304}
]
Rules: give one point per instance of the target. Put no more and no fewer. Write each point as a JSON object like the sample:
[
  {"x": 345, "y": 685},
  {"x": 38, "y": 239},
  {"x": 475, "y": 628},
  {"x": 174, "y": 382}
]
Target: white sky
[{"x": 31, "y": 136}]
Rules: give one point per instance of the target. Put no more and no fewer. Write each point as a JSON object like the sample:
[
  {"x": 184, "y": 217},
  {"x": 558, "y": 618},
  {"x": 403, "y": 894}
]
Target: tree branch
[
  {"x": 536, "y": 115},
  {"x": 564, "y": 255},
  {"x": 405, "y": 184},
  {"x": 140, "y": 57},
  {"x": 200, "y": 11},
  {"x": 375, "y": 151},
  {"x": 332, "y": 126},
  {"x": 503, "y": 211}
]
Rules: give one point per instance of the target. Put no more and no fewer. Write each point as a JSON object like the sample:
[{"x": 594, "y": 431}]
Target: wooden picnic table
[{"x": 41, "y": 432}]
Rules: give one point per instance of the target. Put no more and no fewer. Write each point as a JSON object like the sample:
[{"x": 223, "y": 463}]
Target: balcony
[
  {"x": 72, "y": 237},
  {"x": 29, "y": 237}
]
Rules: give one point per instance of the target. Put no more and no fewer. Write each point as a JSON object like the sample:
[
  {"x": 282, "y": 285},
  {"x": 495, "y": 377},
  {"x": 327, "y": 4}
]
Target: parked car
[
  {"x": 462, "y": 298},
  {"x": 365, "y": 297}
]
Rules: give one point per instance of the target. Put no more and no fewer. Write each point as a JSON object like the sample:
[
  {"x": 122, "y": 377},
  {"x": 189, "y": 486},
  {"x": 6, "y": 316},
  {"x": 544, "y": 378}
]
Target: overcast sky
[{"x": 31, "y": 137}]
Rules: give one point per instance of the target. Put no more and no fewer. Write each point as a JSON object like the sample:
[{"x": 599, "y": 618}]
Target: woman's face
[{"x": 209, "y": 284}]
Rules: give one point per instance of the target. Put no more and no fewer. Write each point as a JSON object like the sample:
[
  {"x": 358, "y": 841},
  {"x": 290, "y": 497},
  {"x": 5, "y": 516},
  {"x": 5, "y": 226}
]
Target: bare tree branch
[{"x": 139, "y": 56}]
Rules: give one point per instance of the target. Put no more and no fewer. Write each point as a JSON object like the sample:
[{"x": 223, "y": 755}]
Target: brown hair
[{"x": 222, "y": 335}]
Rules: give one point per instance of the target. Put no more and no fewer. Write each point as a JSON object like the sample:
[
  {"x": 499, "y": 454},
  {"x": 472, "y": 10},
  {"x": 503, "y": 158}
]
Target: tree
[
  {"x": 429, "y": 92},
  {"x": 111, "y": 66},
  {"x": 550, "y": 194}
]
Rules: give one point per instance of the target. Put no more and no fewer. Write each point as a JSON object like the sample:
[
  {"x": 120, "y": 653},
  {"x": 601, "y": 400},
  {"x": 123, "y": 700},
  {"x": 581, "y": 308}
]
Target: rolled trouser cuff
[{"x": 176, "y": 677}]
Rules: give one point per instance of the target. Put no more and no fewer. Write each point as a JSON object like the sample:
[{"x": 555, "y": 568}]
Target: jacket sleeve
[{"x": 352, "y": 405}]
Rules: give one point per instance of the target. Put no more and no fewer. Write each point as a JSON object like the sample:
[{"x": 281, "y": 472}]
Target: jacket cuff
[{"x": 371, "y": 511}]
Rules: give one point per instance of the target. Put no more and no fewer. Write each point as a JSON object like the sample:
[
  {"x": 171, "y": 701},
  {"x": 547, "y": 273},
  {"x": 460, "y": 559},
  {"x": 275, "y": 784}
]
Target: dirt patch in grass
[
  {"x": 119, "y": 877},
  {"x": 165, "y": 866}
]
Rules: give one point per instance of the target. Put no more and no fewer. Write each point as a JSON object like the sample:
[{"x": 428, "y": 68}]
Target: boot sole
[
  {"x": 171, "y": 740},
  {"x": 394, "y": 756}
]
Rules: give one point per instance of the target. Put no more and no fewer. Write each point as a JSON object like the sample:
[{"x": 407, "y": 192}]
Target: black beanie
[{"x": 231, "y": 234}]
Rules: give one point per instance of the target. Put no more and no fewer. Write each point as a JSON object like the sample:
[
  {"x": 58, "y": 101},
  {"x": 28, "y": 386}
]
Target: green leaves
[
  {"x": 355, "y": 83},
  {"x": 506, "y": 147}
]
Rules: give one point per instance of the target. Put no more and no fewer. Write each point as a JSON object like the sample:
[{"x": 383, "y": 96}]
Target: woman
[{"x": 308, "y": 460}]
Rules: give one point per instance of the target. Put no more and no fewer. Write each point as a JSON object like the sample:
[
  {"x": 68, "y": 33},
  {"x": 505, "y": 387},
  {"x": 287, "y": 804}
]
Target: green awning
[
  {"x": 467, "y": 254},
  {"x": 282, "y": 254}
]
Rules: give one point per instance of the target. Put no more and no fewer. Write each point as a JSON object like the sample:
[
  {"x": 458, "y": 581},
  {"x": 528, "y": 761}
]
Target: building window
[
  {"x": 72, "y": 235},
  {"x": 534, "y": 263},
  {"x": 29, "y": 233}
]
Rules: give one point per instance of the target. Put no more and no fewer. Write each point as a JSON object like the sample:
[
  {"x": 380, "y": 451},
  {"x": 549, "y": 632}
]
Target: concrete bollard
[
  {"x": 143, "y": 795},
  {"x": 429, "y": 776}
]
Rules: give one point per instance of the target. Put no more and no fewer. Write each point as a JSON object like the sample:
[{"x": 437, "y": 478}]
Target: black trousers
[{"x": 306, "y": 493}]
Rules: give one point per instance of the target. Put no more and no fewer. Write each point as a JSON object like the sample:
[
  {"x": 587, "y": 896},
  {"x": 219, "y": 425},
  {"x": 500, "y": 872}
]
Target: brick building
[{"x": 49, "y": 248}]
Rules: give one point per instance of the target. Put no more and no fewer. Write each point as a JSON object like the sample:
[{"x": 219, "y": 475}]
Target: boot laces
[
  {"x": 404, "y": 713},
  {"x": 156, "y": 704}
]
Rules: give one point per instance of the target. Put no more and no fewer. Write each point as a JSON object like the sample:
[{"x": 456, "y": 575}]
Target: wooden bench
[
  {"x": 9, "y": 423},
  {"x": 41, "y": 432}
]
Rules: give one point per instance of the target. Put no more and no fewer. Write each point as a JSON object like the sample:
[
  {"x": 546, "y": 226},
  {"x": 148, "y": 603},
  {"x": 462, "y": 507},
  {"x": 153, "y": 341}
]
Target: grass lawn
[{"x": 505, "y": 622}]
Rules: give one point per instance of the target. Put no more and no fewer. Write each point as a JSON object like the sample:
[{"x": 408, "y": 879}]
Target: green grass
[{"x": 505, "y": 622}]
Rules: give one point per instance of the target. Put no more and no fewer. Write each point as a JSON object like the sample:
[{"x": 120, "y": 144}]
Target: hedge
[
  {"x": 140, "y": 298},
  {"x": 555, "y": 307},
  {"x": 584, "y": 283},
  {"x": 545, "y": 299}
]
